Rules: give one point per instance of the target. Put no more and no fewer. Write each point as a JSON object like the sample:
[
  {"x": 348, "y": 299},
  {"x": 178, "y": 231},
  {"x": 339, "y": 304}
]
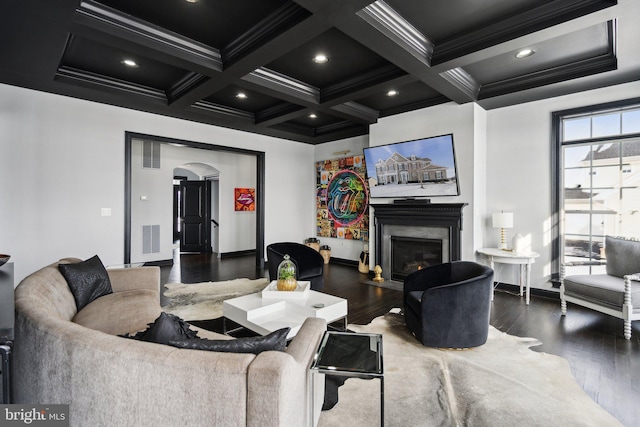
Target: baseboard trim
[
  {"x": 159, "y": 263},
  {"x": 545, "y": 293},
  {"x": 237, "y": 253},
  {"x": 343, "y": 261}
]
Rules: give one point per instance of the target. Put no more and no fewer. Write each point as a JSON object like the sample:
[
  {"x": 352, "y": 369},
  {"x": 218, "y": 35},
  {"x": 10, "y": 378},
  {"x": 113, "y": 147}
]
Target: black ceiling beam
[
  {"x": 335, "y": 95},
  {"x": 295, "y": 35},
  {"x": 415, "y": 106},
  {"x": 274, "y": 84},
  {"x": 112, "y": 27},
  {"x": 379, "y": 28},
  {"x": 536, "y": 19},
  {"x": 278, "y": 113},
  {"x": 96, "y": 81},
  {"x": 582, "y": 68}
]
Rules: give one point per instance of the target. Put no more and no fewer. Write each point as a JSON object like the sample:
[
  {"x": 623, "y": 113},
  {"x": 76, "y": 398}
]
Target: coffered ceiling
[{"x": 249, "y": 64}]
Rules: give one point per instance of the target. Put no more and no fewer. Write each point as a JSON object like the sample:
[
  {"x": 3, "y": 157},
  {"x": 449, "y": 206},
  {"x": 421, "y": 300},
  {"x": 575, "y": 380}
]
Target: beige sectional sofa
[{"x": 76, "y": 358}]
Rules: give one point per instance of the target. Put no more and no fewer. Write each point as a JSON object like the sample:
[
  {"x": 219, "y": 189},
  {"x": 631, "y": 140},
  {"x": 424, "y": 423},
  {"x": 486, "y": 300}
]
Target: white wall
[
  {"x": 62, "y": 160},
  {"x": 519, "y": 170}
]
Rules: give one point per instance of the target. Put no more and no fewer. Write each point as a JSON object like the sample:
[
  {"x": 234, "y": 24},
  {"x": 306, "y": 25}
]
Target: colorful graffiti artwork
[{"x": 342, "y": 199}]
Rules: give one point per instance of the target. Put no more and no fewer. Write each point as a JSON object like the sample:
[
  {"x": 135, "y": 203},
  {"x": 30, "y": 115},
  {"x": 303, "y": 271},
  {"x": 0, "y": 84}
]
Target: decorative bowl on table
[{"x": 4, "y": 258}]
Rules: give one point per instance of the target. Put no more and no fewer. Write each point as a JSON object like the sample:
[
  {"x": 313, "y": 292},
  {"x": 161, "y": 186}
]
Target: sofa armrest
[
  {"x": 305, "y": 344},
  {"x": 126, "y": 279},
  {"x": 633, "y": 277},
  {"x": 277, "y": 384}
]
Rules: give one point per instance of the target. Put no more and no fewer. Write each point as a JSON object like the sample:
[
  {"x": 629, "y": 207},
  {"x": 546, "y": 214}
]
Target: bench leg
[{"x": 627, "y": 329}]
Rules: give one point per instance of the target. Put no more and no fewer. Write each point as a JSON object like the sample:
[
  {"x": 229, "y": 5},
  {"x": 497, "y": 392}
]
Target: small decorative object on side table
[{"x": 350, "y": 354}]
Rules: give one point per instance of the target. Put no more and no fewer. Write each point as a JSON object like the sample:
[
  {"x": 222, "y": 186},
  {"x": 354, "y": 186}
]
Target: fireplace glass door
[{"x": 409, "y": 254}]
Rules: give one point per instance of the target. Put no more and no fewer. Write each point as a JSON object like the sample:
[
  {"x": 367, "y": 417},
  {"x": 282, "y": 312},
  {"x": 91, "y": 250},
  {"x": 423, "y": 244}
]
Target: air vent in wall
[
  {"x": 151, "y": 154},
  {"x": 150, "y": 239}
]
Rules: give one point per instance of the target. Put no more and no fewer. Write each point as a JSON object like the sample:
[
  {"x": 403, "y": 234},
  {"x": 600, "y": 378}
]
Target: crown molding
[
  {"x": 96, "y": 81},
  {"x": 386, "y": 20}
]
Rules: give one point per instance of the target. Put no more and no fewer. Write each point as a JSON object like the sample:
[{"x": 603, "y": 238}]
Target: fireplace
[
  {"x": 409, "y": 254},
  {"x": 412, "y": 234}
]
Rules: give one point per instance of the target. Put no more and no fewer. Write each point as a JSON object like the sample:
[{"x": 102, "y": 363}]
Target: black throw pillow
[
  {"x": 167, "y": 327},
  {"x": 276, "y": 340},
  {"x": 87, "y": 280}
]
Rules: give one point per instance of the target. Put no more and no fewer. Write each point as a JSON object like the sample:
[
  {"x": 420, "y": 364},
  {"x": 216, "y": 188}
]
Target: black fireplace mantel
[{"x": 419, "y": 213}]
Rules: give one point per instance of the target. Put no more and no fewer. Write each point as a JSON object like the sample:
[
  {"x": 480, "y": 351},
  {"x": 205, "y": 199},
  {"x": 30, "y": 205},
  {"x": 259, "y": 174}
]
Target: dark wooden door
[{"x": 195, "y": 235}]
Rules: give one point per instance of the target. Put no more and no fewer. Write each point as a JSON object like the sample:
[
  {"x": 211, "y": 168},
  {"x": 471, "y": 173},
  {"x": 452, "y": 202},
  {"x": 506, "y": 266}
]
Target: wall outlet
[{"x": 105, "y": 212}]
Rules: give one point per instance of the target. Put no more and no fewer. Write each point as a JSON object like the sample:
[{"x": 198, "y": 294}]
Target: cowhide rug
[
  {"x": 202, "y": 301},
  {"x": 502, "y": 383}
]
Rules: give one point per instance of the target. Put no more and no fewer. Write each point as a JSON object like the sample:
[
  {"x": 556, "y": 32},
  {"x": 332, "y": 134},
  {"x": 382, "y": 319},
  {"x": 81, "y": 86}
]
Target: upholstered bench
[{"x": 617, "y": 292}]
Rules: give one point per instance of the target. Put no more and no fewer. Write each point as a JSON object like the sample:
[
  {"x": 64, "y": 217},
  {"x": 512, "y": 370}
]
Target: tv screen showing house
[{"x": 419, "y": 168}]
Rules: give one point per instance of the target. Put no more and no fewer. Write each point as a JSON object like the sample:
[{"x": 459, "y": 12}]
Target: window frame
[{"x": 557, "y": 165}]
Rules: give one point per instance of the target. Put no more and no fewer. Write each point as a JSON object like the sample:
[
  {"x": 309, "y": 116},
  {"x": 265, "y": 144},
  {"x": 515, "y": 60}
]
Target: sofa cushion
[
  {"x": 623, "y": 256},
  {"x": 602, "y": 289},
  {"x": 167, "y": 327},
  {"x": 87, "y": 280},
  {"x": 120, "y": 312},
  {"x": 275, "y": 341}
]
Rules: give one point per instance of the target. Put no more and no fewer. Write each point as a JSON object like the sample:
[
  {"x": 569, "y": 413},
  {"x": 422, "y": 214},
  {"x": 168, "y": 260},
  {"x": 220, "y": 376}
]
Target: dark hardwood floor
[{"x": 605, "y": 365}]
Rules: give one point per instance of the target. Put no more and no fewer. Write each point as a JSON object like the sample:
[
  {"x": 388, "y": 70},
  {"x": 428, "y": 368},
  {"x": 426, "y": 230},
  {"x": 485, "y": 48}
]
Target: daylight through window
[{"x": 600, "y": 181}]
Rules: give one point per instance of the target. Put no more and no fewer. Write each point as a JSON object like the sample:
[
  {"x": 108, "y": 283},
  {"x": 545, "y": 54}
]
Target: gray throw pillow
[
  {"x": 87, "y": 280},
  {"x": 623, "y": 256},
  {"x": 167, "y": 327},
  {"x": 276, "y": 341}
]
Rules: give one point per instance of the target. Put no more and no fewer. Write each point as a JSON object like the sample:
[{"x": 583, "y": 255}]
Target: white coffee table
[{"x": 265, "y": 315}]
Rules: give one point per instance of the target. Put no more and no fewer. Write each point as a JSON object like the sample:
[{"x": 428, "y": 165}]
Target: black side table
[
  {"x": 350, "y": 354},
  {"x": 7, "y": 319}
]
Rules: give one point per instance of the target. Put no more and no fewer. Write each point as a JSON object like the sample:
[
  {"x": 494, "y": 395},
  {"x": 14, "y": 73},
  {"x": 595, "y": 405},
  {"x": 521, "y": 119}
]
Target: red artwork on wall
[{"x": 245, "y": 199}]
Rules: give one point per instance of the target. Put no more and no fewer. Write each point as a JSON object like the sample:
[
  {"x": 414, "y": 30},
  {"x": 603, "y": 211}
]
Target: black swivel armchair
[
  {"x": 448, "y": 305},
  {"x": 309, "y": 263}
]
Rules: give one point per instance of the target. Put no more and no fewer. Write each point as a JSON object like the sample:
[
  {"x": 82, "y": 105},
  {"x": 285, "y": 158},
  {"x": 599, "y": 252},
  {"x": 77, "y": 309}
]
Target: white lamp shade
[{"x": 503, "y": 220}]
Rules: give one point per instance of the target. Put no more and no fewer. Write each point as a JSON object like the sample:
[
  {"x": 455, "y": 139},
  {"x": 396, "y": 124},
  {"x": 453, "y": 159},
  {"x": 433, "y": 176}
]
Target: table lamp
[{"x": 503, "y": 220}]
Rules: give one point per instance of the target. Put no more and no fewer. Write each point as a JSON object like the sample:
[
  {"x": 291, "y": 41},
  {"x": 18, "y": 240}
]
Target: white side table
[{"x": 524, "y": 259}]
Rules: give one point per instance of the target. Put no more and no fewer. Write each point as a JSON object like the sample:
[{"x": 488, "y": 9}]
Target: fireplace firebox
[{"x": 410, "y": 254}]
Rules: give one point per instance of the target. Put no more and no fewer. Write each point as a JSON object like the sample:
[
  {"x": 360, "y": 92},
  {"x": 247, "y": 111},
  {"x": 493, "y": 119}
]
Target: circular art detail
[{"x": 347, "y": 197}]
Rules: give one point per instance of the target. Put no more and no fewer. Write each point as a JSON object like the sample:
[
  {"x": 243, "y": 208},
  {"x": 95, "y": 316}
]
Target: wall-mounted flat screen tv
[{"x": 419, "y": 168}]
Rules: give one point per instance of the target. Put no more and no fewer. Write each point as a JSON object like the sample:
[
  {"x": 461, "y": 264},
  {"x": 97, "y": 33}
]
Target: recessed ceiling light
[
  {"x": 241, "y": 95},
  {"x": 320, "y": 58},
  {"x": 392, "y": 92},
  {"x": 129, "y": 63},
  {"x": 313, "y": 116},
  {"x": 191, "y": 1},
  {"x": 524, "y": 53}
]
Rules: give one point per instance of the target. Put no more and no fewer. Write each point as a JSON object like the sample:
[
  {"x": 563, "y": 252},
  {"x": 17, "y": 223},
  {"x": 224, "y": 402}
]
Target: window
[{"x": 598, "y": 184}]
